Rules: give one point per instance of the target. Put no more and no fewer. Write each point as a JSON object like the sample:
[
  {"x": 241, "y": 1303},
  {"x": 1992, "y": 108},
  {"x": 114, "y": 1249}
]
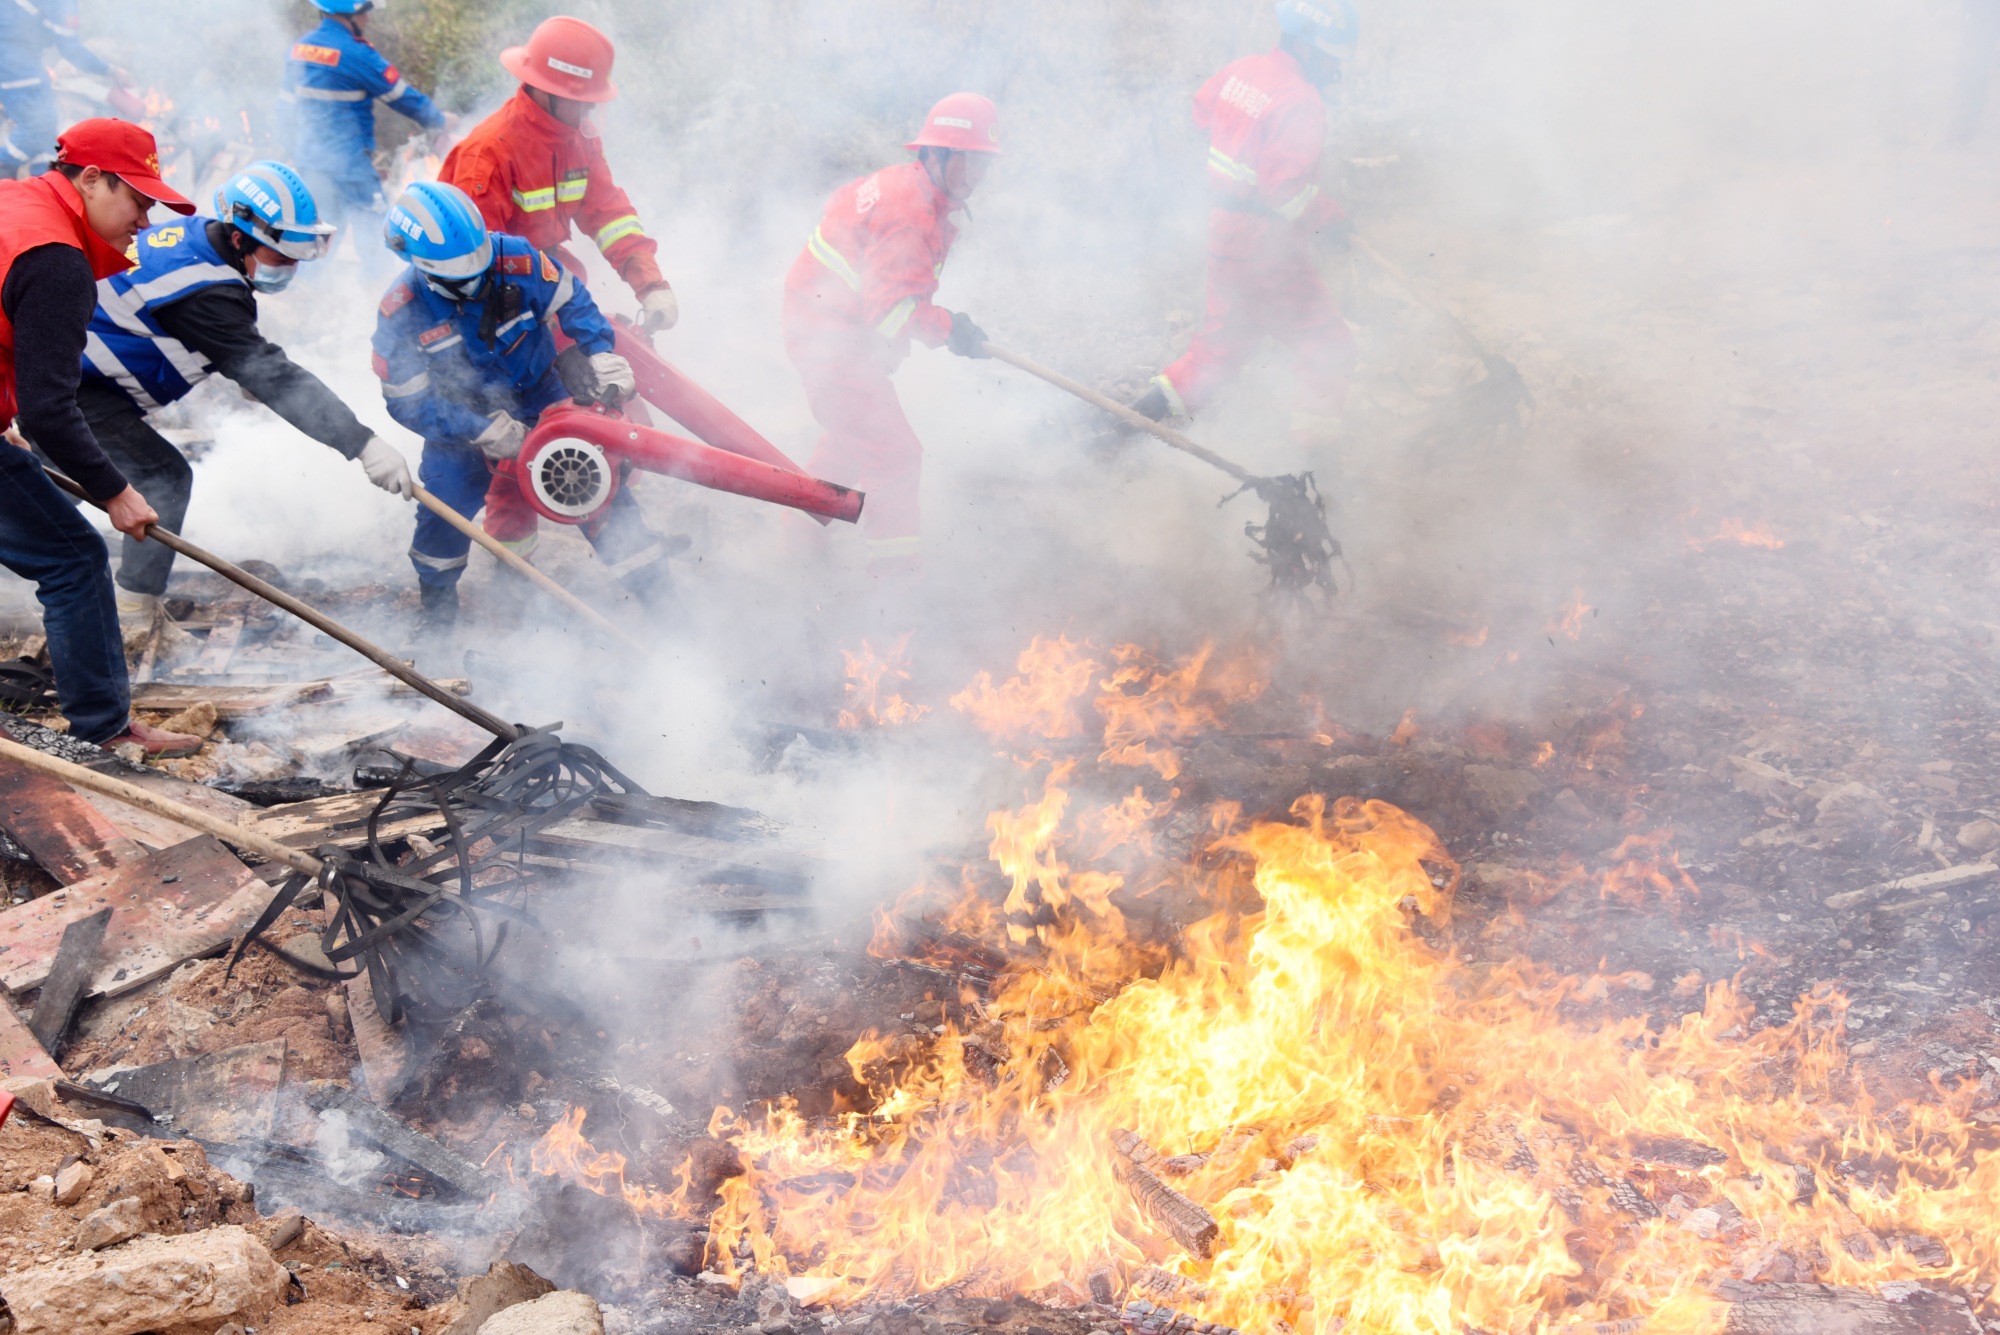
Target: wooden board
[
  {"x": 385, "y": 1053},
  {"x": 62, "y": 992},
  {"x": 172, "y": 906},
  {"x": 341, "y": 819},
  {"x": 231, "y": 702},
  {"x": 600, "y": 839},
  {"x": 229, "y": 1096},
  {"x": 68, "y": 837},
  {"x": 21, "y": 1057}
]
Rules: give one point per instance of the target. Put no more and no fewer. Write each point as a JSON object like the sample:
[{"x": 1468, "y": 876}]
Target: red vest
[{"x": 42, "y": 212}]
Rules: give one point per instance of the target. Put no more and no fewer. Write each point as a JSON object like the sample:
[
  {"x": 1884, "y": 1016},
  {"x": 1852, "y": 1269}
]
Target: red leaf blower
[{"x": 572, "y": 460}]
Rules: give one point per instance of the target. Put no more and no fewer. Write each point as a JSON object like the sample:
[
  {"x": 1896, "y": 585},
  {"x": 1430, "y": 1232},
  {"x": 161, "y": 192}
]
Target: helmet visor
[{"x": 301, "y": 243}]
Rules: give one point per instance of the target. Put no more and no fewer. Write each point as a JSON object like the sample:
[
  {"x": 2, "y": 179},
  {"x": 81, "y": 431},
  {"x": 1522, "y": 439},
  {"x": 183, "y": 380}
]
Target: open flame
[
  {"x": 1569, "y": 621},
  {"x": 874, "y": 692},
  {"x": 1310, "y": 1113},
  {"x": 1735, "y": 531}
]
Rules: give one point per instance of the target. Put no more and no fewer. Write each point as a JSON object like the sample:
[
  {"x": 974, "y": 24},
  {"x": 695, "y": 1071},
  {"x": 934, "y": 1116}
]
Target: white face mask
[{"x": 273, "y": 277}]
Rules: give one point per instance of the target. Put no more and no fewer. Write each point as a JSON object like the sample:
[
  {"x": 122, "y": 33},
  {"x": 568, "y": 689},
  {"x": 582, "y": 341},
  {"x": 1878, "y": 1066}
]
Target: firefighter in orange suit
[
  {"x": 536, "y": 168},
  {"x": 1266, "y": 121},
  {"x": 856, "y": 297}
]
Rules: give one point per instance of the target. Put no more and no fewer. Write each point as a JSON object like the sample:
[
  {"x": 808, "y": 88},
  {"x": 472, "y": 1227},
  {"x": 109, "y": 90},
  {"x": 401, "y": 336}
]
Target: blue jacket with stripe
[
  {"x": 333, "y": 80},
  {"x": 446, "y": 368}
]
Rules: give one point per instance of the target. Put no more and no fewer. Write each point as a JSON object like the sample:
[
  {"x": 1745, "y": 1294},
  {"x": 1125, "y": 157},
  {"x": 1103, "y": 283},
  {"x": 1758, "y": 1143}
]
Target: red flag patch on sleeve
[{"x": 381, "y": 365}]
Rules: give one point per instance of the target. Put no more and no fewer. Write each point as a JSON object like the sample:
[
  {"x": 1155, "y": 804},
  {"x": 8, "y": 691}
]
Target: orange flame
[
  {"x": 1385, "y": 1138},
  {"x": 873, "y": 700},
  {"x": 1053, "y": 675},
  {"x": 1569, "y": 622},
  {"x": 1734, "y": 530}
]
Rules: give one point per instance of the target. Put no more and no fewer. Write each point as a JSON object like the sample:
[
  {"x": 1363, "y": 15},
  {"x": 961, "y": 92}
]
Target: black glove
[{"x": 967, "y": 339}]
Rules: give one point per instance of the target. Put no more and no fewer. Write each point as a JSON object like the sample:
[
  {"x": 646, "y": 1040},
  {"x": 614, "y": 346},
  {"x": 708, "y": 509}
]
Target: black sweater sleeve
[
  {"x": 50, "y": 296},
  {"x": 220, "y": 323}
]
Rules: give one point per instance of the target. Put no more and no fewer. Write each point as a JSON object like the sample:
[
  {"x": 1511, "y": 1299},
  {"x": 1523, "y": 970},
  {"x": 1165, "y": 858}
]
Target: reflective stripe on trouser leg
[{"x": 457, "y": 475}]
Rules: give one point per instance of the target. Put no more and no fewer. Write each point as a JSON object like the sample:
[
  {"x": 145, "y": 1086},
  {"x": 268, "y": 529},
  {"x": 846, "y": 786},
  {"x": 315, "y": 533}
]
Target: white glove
[
  {"x": 387, "y": 468},
  {"x": 613, "y": 372},
  {"x": 503, "y": 439},
  {"x": 662, "y": 310}
]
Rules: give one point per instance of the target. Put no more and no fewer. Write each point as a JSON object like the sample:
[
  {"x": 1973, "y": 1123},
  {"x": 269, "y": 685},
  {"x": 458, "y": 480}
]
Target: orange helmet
[
  {"x": 565, "y": 57},
  {"x": 964, "y": 121}
]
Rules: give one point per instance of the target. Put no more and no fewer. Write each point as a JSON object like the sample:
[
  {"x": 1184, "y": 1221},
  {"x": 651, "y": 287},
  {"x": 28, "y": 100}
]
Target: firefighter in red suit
[
  {"x": 536, "y": 169},
  {"x": 1266, "y": 122},
  {"x": 856, "y": 297}
]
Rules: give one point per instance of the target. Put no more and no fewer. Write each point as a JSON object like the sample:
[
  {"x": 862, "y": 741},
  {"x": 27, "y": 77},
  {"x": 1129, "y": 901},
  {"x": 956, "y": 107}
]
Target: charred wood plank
[
  {"x": 68, "y": 837},
  {"x": 172, "y": 906},
  {"x": 387, "y": 1134},
  {"x": 1900, "y": 1308},
  {"x": 1951, "y": 878},
  {"x": 1188, "y": 1223},
  {"x": 1140, "y": 1317},
  {"x": 228, "y": 1097},
  {"x": 22, "y": 1056},
  {"x": 62, "y": 991}
]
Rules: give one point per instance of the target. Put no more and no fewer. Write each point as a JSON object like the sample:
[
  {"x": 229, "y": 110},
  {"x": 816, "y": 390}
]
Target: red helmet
[
  {"x": 566, "y": 57},
  {"x": 964, "y": 121}
]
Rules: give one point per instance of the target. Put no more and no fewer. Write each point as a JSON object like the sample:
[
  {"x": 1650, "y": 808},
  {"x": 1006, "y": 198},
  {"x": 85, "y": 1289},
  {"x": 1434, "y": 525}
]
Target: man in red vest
[
  {"x": 860, "y": 292},
  {"x": 1266, "y": 122},
  {"x": 59, "y": 234}
]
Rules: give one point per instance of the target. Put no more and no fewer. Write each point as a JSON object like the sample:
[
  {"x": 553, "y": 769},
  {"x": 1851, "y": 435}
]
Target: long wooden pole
[
  {"x": 1120, "y": 411},
  {"x": 318, "y": 620},
  {"x": 508, "y": 557},
  {"x": 235, "y": 835}
]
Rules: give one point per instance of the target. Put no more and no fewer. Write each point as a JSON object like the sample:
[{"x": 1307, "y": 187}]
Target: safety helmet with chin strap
[
  {"x": 343, "y": 6},
  {"x": 439, "y": 230}
]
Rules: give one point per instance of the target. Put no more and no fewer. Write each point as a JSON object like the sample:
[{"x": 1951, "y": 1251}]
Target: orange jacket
[
  {"x": 532, "y": 176},
  {"x": 873, "y": 262},
  {"x": 1266, "y": 126},
  {"x": 44, "y": 211}
]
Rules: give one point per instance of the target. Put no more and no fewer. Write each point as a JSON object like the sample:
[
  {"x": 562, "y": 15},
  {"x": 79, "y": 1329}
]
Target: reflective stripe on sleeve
[
  {"x": 395, "y": 93},
  {"x": 618, "y": 229},
  {"x": 565, "y": 289},
  {"x": 1218, "y": 161},
  {"x": 332, "y": 94},
  {"x": 535, "y": 201},
  {"x": 409, "y": 388},
  {"x": 833, "y": 259},
  {"x": 1295, "y": 208},
  {"x": 893, "y": 323}
]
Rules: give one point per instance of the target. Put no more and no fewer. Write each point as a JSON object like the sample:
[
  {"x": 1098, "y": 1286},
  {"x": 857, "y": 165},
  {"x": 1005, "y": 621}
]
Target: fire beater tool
[
  {"x": 1293, "y": 540},
  {"x": 520, "y": 566},
  {"x": 1501, "y": 394},
  {"x": 575, "y": 459},
  {"x": 319, "y": 621}
]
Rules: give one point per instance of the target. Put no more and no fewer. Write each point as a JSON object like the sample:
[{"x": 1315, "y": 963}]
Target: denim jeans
[{"x": 44, "y": 539}]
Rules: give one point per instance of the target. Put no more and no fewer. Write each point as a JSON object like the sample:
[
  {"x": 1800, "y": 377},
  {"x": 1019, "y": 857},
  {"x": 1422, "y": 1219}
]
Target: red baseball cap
[{"x": 123, "y": 148}]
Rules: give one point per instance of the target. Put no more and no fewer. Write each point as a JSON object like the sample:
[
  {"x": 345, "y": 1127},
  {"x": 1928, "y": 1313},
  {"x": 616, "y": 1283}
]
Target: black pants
[{"x": 151, "y": 464}]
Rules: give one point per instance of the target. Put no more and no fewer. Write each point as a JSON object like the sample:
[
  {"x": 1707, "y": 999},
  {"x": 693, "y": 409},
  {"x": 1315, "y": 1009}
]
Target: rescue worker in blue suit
[
  {"x": 333, "y": 79},
  {"x": 27, "y": 29},
  {"x": 465, "y": 348},
  {"x": 189, "y": 311}
]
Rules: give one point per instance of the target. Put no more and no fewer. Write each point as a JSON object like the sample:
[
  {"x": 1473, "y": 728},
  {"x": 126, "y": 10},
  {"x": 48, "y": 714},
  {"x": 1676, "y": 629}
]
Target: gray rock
[
  {"x": 198, "y": 1281},
  {"x": 564, "y": 1313},
  {"x": 1980, "y": 836},
  {"x": 120, "y": 1221}
]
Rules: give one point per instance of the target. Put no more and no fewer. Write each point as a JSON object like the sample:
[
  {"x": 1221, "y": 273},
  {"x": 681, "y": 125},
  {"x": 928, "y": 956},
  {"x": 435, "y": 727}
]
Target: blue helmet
[
  {"x": 269, "y": 203},
  {"x": 437, "y": 228},
  {"x": 343, "y": 6},
  {"x": 1330, "y": 25}
]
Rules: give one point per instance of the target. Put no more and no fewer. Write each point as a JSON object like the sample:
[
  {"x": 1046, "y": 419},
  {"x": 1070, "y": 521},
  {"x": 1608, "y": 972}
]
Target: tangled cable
[{"x": 418, "y": 928}]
